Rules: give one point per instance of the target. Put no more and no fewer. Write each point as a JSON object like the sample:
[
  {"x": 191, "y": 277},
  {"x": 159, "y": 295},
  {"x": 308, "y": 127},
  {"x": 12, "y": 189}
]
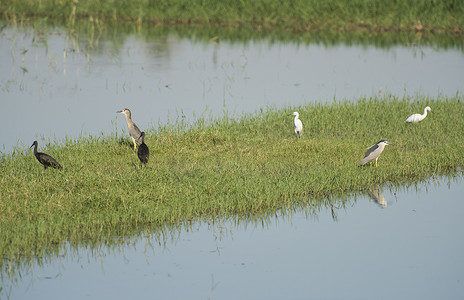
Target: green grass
[
  {"x": 366, "y": 22},
  {"x": 371, "y": 16},
  {"x": 220, "y": 169}
]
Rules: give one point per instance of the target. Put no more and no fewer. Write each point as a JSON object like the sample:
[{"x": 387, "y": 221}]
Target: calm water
[
  {"x": 53, "y": 86},
  {"x": 407, "y": 244},
  {"x": 410, "y": 247}
]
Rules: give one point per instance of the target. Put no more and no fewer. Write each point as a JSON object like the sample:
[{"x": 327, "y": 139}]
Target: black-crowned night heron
[
  {"x": 297, "y": 125},
  {"x": 45, "y": 159},
  {"x": 374, "y": 152},
  {"x": 143, "y": 153},
  {"x": 134, "y": 131},
  {"x": 418, "y": 117}
]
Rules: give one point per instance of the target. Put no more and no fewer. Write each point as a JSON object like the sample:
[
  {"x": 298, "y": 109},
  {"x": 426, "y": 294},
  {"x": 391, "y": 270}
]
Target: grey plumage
[
  {"x": 134, "y": 131},
  {"x": 374, "y": 152}
]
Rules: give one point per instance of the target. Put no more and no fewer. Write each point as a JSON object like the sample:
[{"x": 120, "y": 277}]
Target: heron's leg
[
  {"x": 133, "y": 141},
  {"x": 376, "y": 162}
]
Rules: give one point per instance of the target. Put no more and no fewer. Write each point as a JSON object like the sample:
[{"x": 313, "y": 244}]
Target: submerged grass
[{"x": 221, "y": 168}]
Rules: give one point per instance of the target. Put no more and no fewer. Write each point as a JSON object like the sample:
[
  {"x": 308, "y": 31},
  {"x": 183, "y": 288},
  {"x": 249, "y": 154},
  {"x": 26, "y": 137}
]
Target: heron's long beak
[
  {"x": 119, "y": 111},
  {"x": 390, "y": 144}
]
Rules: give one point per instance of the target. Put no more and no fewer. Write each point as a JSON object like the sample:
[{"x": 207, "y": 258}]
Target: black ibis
[
  {"x": 45, "y": 159},
  {"x": 143, "y": 153}
]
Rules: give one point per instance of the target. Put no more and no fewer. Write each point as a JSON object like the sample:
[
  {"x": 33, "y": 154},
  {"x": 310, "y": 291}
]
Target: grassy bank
[
  {"x": 228, "y": 168},
  {"x": 372, "y": 16}
]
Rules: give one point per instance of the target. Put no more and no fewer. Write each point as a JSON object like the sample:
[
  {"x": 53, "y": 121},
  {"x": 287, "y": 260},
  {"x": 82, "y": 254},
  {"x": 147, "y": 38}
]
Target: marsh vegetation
[
  {"x": 221, "y": 168},
  {"x": 247, "y": 167},
  {"x": 373, "y": 16}
]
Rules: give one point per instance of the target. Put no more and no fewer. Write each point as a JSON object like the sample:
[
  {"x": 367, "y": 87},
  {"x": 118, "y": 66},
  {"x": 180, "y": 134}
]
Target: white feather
[
  {"x": 297, "y": 124},
  {"x": 418, "y": 117}
]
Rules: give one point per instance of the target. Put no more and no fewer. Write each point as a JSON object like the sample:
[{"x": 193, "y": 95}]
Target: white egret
[
  {"x": 418, "y": 117},
  {"x": 297, "y": 125}
]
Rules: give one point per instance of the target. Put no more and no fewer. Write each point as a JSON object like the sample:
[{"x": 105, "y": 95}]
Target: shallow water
[
  {"x": 54, "y": 85},
  {"x": 407, "y": 247}
]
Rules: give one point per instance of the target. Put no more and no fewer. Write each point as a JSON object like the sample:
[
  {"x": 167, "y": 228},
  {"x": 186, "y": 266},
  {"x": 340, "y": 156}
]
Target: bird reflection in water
[{"x": 377, "y": 195}]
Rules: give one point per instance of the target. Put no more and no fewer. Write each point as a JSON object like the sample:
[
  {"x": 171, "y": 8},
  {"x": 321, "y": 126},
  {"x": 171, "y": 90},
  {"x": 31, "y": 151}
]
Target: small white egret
[
  {"x": 418, "y": 117},
  {"x": 297, "y": 125},
  {"x": 374, "y": 152}
]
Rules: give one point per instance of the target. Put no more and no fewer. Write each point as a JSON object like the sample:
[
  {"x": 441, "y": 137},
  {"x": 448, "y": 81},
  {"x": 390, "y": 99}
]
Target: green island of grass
[{"x": 222, "y": 168}]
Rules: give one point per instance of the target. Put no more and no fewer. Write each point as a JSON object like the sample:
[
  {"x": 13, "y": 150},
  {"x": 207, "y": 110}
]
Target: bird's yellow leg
[
  {"x": 376, "y": 163},
  {"x": 133, "y": 141}
]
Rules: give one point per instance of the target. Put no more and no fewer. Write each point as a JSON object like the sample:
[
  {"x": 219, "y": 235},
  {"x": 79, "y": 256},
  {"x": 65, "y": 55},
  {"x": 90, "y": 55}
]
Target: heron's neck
[
  {"x": 129, "y": 120},
  {"x": 35, "y": 149}
]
